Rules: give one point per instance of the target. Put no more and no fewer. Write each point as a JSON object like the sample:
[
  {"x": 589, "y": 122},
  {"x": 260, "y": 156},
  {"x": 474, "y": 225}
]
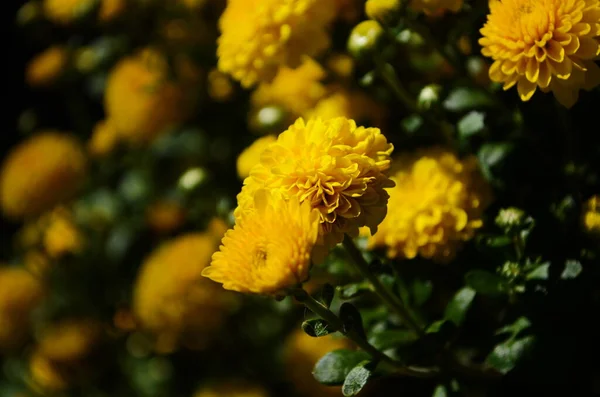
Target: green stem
[
  {"x": 336, "y": 324},
  {"x": 386, "y": 296},
  {"x": 389, "y": 75}
]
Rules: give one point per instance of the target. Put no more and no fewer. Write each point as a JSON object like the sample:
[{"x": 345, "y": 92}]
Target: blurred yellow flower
[
  {"x": 220, "y": 87},
  {"x": 547, "y": 44},
  {"x": 353, "y": 105},
  {"x": 251, "y": 155},
  {"x": 173, "y": 301},
  {"x": 61, "y": 235},
  {"x": 294, "y": 90},
  {"x": 342, "y": 65},
  {"x": 105, "y": 138},
  {"x": 301, "y": 353},
  {"x": 45, "y": 68},
  {"x": 591, "y": 215},
  {"x": 260, "y": 36},
  {"x": 337, "y": 167},
  {"x": 269, "y": 249},
  {"x": 20, "y": 293},
  {"x": 41, "y": 172},
  {"x": 165, "y": 216},
  {"x": 436, "y": 7},
  {"x": 231, "y": 389},
  {"x": 64, "y": 12},
  {"x": 110, "y": 9},
  {"x": 64, "y": 352},
  {"x": 142, "y": 100},
  {"x": 381, "y": 10},
  {"x": 437, "y": 204}
]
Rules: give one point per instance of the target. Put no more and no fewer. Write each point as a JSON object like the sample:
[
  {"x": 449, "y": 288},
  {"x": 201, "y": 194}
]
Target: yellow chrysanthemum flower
[
  {"x": 62, "y": 349},
  {"x": 337, "y": 167},
  {"x": 251, "y": 155},
  {"x": 591, "y": 215},
  {"x": 342, "y": 65},
  {"x": 41, "y": 172},
  {"x": 436, "y": 7},
  {"x": 46, "y": 67},
  {"x": 232, "y": 389},
  {"x": 352, "y": 105},
  {"x": 64, "y": 12},
  {"x": 220, "y": 87},
  {"x": 381, "y": 10},
  {"x": 260, "y": 36},
  {"x": 269, "y": 249},
  {"x": 294, "y": 90},
  {"x": 164, "y": 216},
  {"x": 110, "y": 9},
  {"x": 61, "y": 234},
  {"x": 105, "y": 138},
  {"x": 549, "y": 44},
  {"x": 171, "y": 298},
  {"x": 301, "y": 353},
  {"x": 141, "y": 99},
  {"x": 20, "y": 293},
  {"x": 436, "y": 205}
]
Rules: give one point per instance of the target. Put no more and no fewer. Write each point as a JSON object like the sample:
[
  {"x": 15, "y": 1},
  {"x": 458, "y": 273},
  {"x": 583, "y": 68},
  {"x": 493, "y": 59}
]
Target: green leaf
[
  {"x": 353, "y": 290},
  {"x": 486, "y": 283},
  {"x": 333, "y": 367},
  {"x": 356, "y": 379},
  {"x": 539, "y": 273},
  {"x": 458, "y": 306},
  {"x": 392, "y": 338},
  {"x": 462, "y": 98},
  {"x": 506, "y": 355},
  {"x": 515, "y": 328},
  {"x": 316, "y": 327},
  {"x": 351, "y": 319},
  {"x": 436, "y": 326},
  {"x": 440, "y": 391},
  {"x": 412, "y": 123},
  {"x": 421, "y": 291},
  {"x": 471, "y": 124},
  {"x": 327, "y": 294},
  {"x": 572, "y": 269}
]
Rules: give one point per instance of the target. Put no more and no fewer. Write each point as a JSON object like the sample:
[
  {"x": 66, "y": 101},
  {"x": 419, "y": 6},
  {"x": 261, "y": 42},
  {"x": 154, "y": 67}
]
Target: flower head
[
  {"x": 171, "y": 298},
  {"x": 269, "y": 249},
  {"x": 41, "y": 172},
  {"x": 353, "y": 105},
  {"x": 436, "y": 7},
  {"x": 20, "y": 293},
  {"x": 110, "y": 9},
  {"x": 64, "y": 12},
  {"x": 105, "y": 138},
  {"x": 46, "y": 67},
  {"x": 251, "y": 155},
  {"x": 259, "y": 36},
  {"x": 142, "y": 101},
  {"x": 295, "y": 90},
  {"x": 436, "y": 205},
  {"x": 591, "y": 216},
  {"x": 549, "y": 44},
  {"x": 301, "y": 353},
  {"x": 337, "y": 167}
]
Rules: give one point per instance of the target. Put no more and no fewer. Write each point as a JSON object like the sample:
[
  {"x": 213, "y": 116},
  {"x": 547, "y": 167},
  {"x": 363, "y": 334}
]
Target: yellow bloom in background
[
  {"x": 165, "y": 216},
  {"x": 64, "y": 12},
  {"x": 436, "y": 7},
  {"x": 220, "y": 87},
  {"x": 64, "y": 353},
  {"x": 20, "y": 294},
  {"x": 231, "y": 389},
  {"x": 110, "y": 9},
  {"x": 62, "y": 234},
  {"x": 301, "y": 353},
  {"x": 45, "y": 68},
  {"x": 269, "y": 249},
  {"x": 381, "y": 10},
  {"x": 353, "y": 105},
  {"x": 295, "y": 90},
  {"x": 437, "y": 205},
  {"x": 105, "y": 138},
  {"x": 336, "y": 166},
  {"x": 41, "y": 172},
  {"x": 173, "y": 301},
  {"x": 342, "y": 65},
  {"x": 549, "y": 45},
  {"x": 251, "y": 155},
  {"x": 142, "y": 101},
  {"x": 591, "y": 215},
  {"x": 260, "y": 36}
]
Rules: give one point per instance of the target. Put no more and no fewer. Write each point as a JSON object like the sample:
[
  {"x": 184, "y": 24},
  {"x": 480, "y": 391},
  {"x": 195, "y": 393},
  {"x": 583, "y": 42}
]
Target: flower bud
[
  {"x": 382, "y": 10},
  {"x": 429, "y": 96},
  {"x": 510, "y": 218},
  {"x": 365, "y": 38}
]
